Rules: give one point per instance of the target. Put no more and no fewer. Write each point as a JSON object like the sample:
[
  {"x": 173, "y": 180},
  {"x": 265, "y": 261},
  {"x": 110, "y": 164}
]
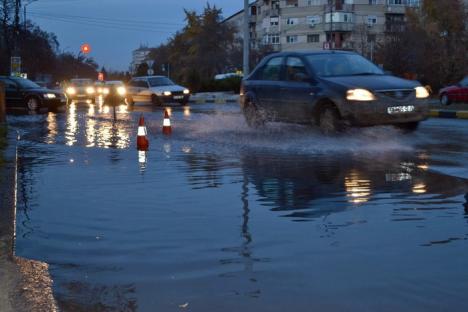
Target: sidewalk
[
  {"x": 458, "y": 110},
  {"x": 214, "y": 97},
  {"x": 25, "y": 284}
]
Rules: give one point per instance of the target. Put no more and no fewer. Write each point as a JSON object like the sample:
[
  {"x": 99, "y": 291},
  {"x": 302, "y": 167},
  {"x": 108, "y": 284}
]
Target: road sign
[
  {"x": 15, "y": 68},
  {"x": 85, "y": 48},
  {"x": 150, "y": 63},
  {"x": 150, "y": 72},
  {"x": 101, "y": 77},
  {"x": 326, "y": 45}
]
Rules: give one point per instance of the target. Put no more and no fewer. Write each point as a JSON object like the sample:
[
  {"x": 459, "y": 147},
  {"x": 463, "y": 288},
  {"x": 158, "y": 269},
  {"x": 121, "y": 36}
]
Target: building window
[
  {"x": 292, "y": 21},
  {"x": 291, "y": 3},
  {"x": 272, "y": 39},
  {"x": 314, "y": 2},
  {"x": 371, "y": 20},
  {"x": 313, "y": 20},
  {"x": 274, "y": 21},
  {"x": 313, "y": 38},
  {"x": 412, "y": 3},
  {"x": 371, "y": 2},
  {"x": 291, "y": 39}
]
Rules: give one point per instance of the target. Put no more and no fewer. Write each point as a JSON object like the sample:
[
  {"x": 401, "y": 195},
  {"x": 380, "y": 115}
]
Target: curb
[{"x": 448, "y": 114}]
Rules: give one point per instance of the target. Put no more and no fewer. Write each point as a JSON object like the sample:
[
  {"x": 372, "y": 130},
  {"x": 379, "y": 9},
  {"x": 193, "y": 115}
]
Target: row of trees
[
  {"x": 39, "y": 50},
  {"x": 434, "y": 45},
  {"x": 203, "y": 48}
]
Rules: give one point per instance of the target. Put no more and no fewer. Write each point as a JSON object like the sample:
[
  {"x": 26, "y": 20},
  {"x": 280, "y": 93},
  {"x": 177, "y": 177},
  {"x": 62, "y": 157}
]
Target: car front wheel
[
  {"x": 33, "y": 104},
  {"x": 330, "y": 121},
  {"x": 444, "y": 100}
]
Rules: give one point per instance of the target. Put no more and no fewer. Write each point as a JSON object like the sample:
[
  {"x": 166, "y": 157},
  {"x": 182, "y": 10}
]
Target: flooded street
[{"x": 220, "y": 217}]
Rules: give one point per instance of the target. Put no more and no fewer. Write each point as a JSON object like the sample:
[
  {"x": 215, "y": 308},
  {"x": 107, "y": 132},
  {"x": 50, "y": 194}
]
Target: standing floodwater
[{"x": 219, "y": 217}]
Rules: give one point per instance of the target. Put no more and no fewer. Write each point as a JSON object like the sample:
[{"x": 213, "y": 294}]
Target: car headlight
[
  {"x": 90, "y": 90},
  {"x": 360, "y": 95},
  {"x": 186, "y": 91},
  {"x": 421, "y": 92},
  {"x": 121, "y": 91},
  {"x": 71, "y": 91},
  {"x": 105, "y": 90},
  {"x": 49, "y": 96},
  {"x": 99, "y": 90},
  {"x": 167, "y": 93}
]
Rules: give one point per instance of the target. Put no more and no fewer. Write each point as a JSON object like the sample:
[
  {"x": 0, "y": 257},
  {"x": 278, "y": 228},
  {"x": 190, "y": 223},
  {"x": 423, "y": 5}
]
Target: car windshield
[
  {"x": 81, "y": 82},
  {"x": 26, "y": 84},
  {"x": 114, "y": 83},
  {"x": 160, "y": 81},
  {"x": 342, "y": 64}
]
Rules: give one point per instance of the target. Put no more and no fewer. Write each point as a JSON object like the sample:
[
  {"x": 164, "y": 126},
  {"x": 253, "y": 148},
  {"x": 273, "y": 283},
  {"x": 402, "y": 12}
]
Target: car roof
[
  {"x": 310, "y": 52},
  {"x": 147, "y": 77}
]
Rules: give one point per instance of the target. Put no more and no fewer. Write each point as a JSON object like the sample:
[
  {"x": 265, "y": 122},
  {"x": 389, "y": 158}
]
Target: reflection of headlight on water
[
  {"x": 187, "y": 111},
  {"x": 419, "y": 188},
  {"x": 357, "y": 190}
]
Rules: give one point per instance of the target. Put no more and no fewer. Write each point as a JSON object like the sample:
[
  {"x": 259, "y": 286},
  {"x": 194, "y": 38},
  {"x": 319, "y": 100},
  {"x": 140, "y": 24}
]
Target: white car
[{"x": 157, "y": 90}]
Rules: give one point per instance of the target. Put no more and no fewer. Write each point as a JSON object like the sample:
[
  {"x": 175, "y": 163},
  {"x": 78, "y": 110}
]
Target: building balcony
[
  {"x": 339, "y": 8},
  {"x": 338, "y": 26}
]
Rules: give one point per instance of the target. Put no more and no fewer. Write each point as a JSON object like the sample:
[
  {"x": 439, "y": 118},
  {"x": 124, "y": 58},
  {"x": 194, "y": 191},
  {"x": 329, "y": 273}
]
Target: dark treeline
[
  {"x": 434, "y": 46},
  {"x": 203, "y": 48},
  {"x": 39, "y": 50}
]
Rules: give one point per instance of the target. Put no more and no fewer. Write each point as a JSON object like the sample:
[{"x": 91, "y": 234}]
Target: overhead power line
[{"x": 103, "y": 24}]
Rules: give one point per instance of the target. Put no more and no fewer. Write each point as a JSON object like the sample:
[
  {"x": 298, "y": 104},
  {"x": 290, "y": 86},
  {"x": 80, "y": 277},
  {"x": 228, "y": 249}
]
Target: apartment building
[
  {"x": 321, "y": 24},
  {"x": 139, "y": 56}
]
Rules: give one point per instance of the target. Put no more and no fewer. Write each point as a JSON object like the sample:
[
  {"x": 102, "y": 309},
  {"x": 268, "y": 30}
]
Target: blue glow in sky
[{"x": 114, "y": 28}]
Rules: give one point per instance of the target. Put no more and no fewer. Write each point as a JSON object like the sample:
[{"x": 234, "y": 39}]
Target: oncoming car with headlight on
[
  {"x": 114, "y": 92},
  {"x": 331, "y": 89},
  {"x": 81, "y": 90},
  {"x": 157, "y": 90}
]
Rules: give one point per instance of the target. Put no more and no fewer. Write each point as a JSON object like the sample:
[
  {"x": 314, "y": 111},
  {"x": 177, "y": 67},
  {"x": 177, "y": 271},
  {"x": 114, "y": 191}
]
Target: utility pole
[
  {"x": 332, "y": 41},
  {"x": 246, "y": 67},
  {"x": 24, "y": 12}
]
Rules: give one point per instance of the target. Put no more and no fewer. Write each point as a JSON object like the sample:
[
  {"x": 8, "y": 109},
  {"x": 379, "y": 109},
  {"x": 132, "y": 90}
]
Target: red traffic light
[{"x": 85, "y": 48}]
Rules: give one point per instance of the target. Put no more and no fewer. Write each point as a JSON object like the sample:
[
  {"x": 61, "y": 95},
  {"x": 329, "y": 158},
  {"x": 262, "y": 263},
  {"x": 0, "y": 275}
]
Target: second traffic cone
[
  {"x": 142, "y": 140},
  {"x": 167, "y": 129}
]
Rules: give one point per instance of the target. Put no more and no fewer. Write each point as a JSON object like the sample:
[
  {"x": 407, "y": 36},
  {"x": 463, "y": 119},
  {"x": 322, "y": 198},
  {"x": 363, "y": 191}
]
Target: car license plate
[
  {"x": 178, "y": 97},
  {"x": 400, "y": 109}
]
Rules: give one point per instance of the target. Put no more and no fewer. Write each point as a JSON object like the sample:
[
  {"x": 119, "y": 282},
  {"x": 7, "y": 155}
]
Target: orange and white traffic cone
[
  {"x": 142, "y": 140},
  {"x": 167, "y": 129}
]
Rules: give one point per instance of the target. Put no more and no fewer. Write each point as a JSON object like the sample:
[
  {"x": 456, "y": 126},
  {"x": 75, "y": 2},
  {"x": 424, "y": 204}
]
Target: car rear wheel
[
  {"x": 330, "y": 121},
  {"x": 33, "y": 104},
  {"x": 252, "y": 116},
  {"x": 444, "y": 99}
]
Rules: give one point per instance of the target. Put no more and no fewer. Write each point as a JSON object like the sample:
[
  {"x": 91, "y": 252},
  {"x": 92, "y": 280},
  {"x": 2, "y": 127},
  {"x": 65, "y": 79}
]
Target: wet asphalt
[{"x": 220, "y": 217}]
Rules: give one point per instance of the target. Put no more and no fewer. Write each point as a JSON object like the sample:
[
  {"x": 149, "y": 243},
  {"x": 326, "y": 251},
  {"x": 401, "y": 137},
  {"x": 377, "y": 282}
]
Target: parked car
[
  {"x": 114, "y": 92},
  {"x": 157, "y": 90},
  {"x": 331, "y": 89},
  {"x": 81, "y": 90},
  {"x": 455, "y": 93},
  {"x": 23, "y": 93}
]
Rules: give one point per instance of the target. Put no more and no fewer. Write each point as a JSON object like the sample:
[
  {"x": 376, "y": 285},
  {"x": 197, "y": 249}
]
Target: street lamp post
[
  {"x": 24, "y": 12},
  {"x": 246, "y": 67}
]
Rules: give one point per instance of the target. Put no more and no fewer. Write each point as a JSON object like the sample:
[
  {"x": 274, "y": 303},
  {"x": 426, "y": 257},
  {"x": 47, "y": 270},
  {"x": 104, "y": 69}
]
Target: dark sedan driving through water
[
  {"x": 25, "y": 94},
  {"x": 331, "y": 89}
]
